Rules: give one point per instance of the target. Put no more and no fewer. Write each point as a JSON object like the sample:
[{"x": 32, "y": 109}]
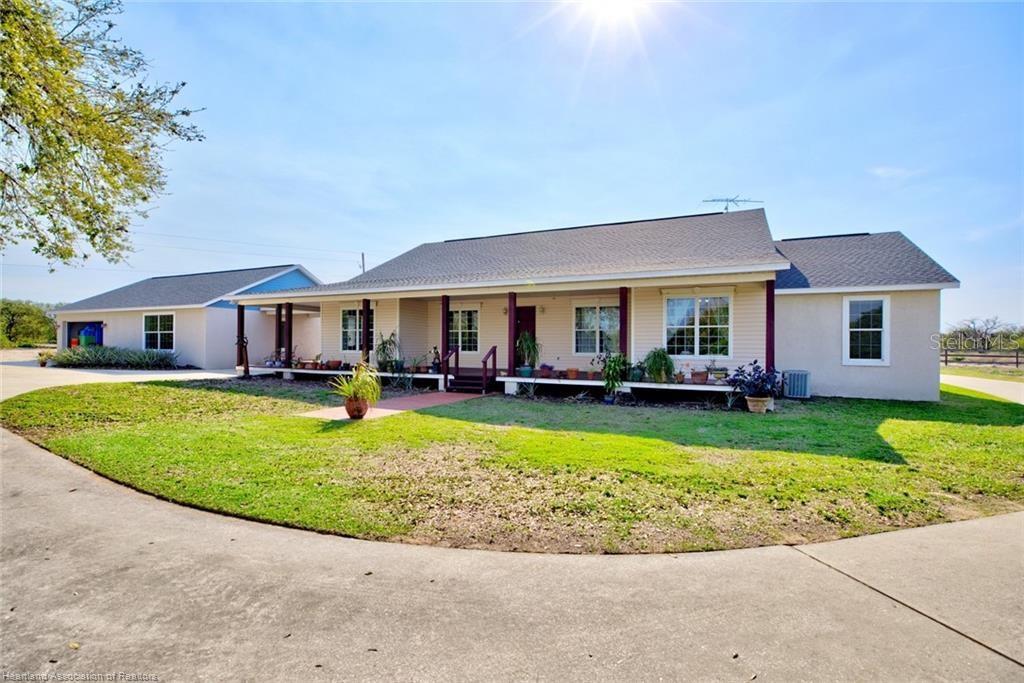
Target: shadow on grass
[{"x": 848, "y": 428}]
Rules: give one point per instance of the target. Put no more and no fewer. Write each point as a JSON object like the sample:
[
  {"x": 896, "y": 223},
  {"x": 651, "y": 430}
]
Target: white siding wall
[
  {"x": 809, "y": 336},
  {"x": 385, "y": 320}
]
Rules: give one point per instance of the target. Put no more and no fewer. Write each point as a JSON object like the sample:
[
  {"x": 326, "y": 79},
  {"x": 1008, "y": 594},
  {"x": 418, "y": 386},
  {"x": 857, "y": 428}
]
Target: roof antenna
[{"x": 735, "y": 201}]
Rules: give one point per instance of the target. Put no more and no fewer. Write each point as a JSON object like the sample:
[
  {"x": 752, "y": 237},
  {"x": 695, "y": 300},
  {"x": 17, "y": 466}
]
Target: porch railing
[
  {"x": 445, "y": 363},
  {"x": 493, "y": 355}
]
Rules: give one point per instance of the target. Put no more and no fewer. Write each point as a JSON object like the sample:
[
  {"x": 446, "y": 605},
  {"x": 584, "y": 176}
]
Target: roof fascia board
[
  {"x": 76, "y": 311},
  {"x": 873, "y": 288},
  {"x": 567, "y": 280},
  {"x": 299, "y": 268}
]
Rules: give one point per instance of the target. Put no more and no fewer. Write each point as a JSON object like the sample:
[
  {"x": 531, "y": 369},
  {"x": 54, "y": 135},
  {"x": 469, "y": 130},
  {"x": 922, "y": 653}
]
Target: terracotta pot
[
  {"x": 333, "y": 364},
  {"x": 699, "y": 376},
  {"x": 545, "y": 373},
  {"x": 572, "y": 373},
  {"x": 356, "y": 407},
  {"x": 680, "y": 377},
  {"x": 758, "y": 405}
]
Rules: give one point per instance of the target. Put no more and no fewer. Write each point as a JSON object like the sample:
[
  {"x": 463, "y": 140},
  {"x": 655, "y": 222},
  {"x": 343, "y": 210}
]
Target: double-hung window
[
  {"x": 698, "y": 325},
  {"x": 596, "y": 330},
  {"x": 464, "y": 330},
  {"x": 158, "y": 331},
  {"x": 352, "y": 329},
  {"x": 866, "y": 330}
]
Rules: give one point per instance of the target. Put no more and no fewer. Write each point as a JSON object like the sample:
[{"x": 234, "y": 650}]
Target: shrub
[
  {"x": 115, "y": 357},
  {"x": 615, "y": 366},
  {"x": 659, "y": 365}
]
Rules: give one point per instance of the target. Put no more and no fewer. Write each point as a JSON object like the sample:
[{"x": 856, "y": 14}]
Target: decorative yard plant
[
  {"x": 758, "y": 385},
  {"x": 659, "y": 365},
  {"x": 614, "y": 368},
  {"x": 387, "y": 352},
  {"x": 115, "y": 357},
  {"x": 528, "y": 349},
  {"x": 360, "y": 391}
]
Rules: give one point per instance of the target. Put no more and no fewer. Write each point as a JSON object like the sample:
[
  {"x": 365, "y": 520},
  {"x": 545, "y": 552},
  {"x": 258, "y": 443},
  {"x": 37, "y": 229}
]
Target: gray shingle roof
[
  {"x": 863, "y": 260},
  {"x": 718, "y": 240},
  {"x": 176, "y": 290}
]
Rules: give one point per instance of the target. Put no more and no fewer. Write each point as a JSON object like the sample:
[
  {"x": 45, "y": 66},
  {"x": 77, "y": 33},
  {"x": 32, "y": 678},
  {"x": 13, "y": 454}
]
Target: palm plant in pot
[
  {"x": 529, "y": 350},
  {"x": 759, "y": 386},
  {"x": 614, "y": 369},
  {"x": 360, "y": 391}
]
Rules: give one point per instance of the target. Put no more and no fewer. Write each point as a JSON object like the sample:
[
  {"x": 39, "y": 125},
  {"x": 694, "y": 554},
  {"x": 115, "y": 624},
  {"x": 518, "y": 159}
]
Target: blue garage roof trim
[{"x": 193, "y": 290}]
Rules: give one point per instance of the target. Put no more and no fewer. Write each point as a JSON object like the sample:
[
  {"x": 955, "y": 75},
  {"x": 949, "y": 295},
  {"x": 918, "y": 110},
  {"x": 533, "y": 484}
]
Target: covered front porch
[{"x": 468, "y": 339}]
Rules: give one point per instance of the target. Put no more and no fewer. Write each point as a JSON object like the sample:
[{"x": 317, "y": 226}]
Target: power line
[
  {"x": 251, "y": 244},
  {"x": 241, "y": 253}
]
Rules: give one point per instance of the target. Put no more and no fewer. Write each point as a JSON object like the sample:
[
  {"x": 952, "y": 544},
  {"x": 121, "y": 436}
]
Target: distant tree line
[
  {"x": 984, "y": 334},
  {"x": 24, "y": 323}
]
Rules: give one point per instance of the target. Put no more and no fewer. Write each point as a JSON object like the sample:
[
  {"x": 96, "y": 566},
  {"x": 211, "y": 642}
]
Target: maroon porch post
[
  {"x": 277, "y": 329},
  {"x": 769, "y": 327},
  {"x": 624, "y": 320},
  {"x": 444, "y": 333},
  {"x": 511, "y": 334},
  {"x": 240, "y": 329},
  {"x": 288, "y": 316},
  {"x": 364, "y": 343}
]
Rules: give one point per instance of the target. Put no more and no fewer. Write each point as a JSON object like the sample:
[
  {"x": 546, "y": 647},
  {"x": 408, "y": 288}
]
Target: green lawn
[
  {"x": 1009, "y": 374},
  {"x": 510, "y": 473}
]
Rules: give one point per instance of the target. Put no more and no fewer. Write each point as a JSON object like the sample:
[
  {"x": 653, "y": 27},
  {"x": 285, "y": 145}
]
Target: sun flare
[{"x": 612, "y": 13}]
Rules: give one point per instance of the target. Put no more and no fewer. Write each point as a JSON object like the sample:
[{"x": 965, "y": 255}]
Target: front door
[{"x": 526, "y": 321}]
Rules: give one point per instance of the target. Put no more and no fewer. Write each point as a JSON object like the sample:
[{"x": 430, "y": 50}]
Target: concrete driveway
[
  {"x": 1011, "y": 391},
  {"x": 97, "y": 578},
  {"x": 20, "y": 373}
]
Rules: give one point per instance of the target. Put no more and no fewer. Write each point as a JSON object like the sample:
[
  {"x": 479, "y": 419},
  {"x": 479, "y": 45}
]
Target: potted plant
[
  {"x": 386, "y": 352},
  {"x": 717, "y": 372},
  {"x": 758, "y": 385},
  {"x": 614, "y": 369},
  {"x": 572, "y": 373},
  {"x": 528, "y": 348},
  {"x": 637, "y": 372},
  {"x": 545, "y": 370},
  {"x": 435, "y": 362},
  {"x": 699, "y": 376},
  {"x": 333, "y": 364},
  {"x": 659, "y": 365},
  {"x": 44, "y": 358},
  {"x": 361, "y": 390}
]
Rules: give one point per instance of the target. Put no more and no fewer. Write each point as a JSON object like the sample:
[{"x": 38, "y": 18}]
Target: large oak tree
[{"x": 82, "y": 130}]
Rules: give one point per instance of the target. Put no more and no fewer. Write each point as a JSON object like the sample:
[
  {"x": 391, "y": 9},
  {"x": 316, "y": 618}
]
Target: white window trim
[
  {"x": 885, "y": 360},
  {"x": 174, "y": 330},
  {"x": 341, "y": 327},
  {"x": 453, "y": 308},
  {"x": 695, "y": 295},
  {"x": 598, "y": 304}
]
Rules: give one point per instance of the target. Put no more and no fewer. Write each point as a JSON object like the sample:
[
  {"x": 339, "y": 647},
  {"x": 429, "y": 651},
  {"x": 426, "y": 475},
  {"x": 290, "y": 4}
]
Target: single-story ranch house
[
  {"x": 856, "y": 311},
  {"x": 190, "y": 315}
]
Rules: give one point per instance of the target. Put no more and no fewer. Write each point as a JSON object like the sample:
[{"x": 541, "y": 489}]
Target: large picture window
[
  {"x": 866, "y": 330},
  {"x": 596, "y": 329},
  {"x": 698, "y": 326},
  {"x": 352, "y": 329},
  {"x": 464, "y": 330},
  {"x": 158, "y": 331}
]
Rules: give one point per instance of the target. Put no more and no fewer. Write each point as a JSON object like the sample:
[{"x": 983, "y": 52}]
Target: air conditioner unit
[{"x": 796, "y": 383}]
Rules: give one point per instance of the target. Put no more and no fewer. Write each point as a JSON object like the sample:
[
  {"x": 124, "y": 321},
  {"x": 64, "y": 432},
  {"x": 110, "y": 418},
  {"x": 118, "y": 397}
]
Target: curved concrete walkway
[
  {"x": 20, "y": 373},
  {"x": 96, "y": 578},
  {"x": 1011, "y": 391}
]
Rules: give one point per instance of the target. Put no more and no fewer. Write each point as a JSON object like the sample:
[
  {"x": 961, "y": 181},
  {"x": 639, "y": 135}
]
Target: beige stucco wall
[
  {"x": 124, "y": 329},
  {"x": 809, "y": 336}
]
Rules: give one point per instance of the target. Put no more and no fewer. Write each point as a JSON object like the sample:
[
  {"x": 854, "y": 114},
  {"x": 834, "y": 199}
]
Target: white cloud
[{"x": 893, "y": 172}]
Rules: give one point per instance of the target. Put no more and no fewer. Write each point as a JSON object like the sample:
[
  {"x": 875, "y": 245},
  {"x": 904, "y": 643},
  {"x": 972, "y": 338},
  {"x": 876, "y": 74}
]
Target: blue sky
[{"x": 339, "y": 128}]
